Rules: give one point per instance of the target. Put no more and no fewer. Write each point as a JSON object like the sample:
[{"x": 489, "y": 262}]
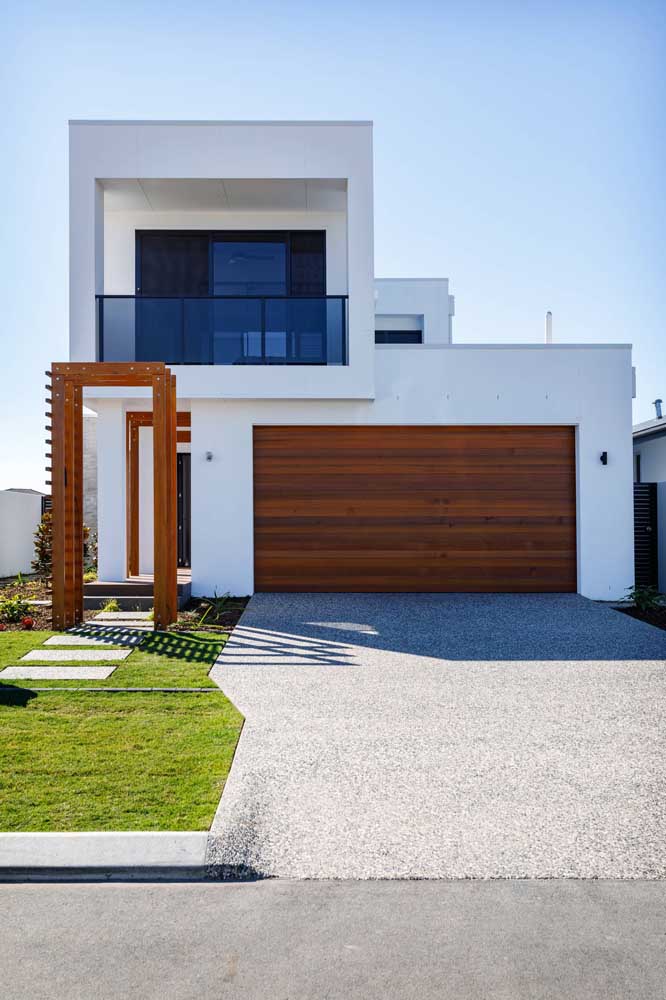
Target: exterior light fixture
[
  {"x": 603, "y": 458},
  {"x": 209, "y": 456}
]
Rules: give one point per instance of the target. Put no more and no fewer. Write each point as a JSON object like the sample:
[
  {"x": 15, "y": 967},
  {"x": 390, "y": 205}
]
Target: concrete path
[
  {"x": 60, "y": 673},
  {"x": 281, "y": 940},
  {"x": 80, "y": 655},
  {"x": 399, "y": 736}
]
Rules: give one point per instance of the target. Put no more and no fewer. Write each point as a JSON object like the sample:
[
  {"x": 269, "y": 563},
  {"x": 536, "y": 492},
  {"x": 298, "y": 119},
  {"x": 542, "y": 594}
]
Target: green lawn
[
  {"x": 92, "y": 761},
  {"x": 76, "y": 760},
  {"x": 164, "y": 659}
]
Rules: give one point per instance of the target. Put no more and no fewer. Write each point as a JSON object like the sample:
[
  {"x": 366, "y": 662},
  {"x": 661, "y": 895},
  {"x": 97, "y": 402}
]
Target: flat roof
[
  {"x": 650, "y": 429},
  {"x": 209, "y": 121}
]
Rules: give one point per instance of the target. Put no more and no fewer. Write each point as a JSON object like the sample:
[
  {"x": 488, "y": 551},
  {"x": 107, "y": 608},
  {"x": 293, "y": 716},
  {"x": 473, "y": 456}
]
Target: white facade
[
  {"x": 250, "y": 175},
  {"x": 20, "y": 514},
  {"x": 129, "y": 176},
  {"x": 652, "y": 450},
  {"x": 415, "y": 304}
]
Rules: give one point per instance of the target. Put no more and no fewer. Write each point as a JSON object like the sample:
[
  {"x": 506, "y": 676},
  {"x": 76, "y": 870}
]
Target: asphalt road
[{"x": 282, "y": 940}]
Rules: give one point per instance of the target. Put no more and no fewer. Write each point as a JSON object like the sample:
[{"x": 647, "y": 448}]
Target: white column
[
  {"x": 222, "y": 507},
  {"x": 605, "y": 510},
  {"x": 112, "y": 559},
  {"x": 86, "y": 263}
]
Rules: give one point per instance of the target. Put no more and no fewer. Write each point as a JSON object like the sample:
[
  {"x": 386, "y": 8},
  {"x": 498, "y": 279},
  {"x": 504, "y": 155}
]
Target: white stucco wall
[
  {"x": 653, "y": 459},
  {"x": 120, "y": 239},
  {"x": 423, "y": 297},
  {"x": 587, "y": 387},
  {"x": 111, "y": 440},
  {"x": 101, "y": 151},
  {"x": 20, "y": 514}
]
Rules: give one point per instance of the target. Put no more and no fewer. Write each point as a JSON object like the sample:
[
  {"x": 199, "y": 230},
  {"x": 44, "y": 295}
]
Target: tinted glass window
[
  {"x": 248, "y": 268},
  {"x": 308, "y": 263},
  {"x": 398, "y": 337},
  {"x": 173, "y": 264}
]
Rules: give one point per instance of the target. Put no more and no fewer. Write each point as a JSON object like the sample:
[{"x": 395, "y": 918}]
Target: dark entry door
[
  {"x": 184, "y": 509},
  {"x": 645, "y": 535}
]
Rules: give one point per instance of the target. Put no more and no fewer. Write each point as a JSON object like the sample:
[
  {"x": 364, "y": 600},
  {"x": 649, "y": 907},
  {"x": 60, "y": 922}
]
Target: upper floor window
[
  {"x": 243, "y": 263},
  {"x": 398, "y": 337},
  {"x": 249, "y": 267}
]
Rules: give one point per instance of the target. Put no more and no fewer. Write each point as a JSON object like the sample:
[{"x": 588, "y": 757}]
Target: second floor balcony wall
[{"x": 223, "y": 330}]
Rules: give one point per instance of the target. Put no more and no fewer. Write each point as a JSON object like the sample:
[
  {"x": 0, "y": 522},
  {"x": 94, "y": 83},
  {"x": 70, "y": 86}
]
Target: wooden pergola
[
  {"x": 67, "y": 383},
  {"x": 134, "y": 419}
]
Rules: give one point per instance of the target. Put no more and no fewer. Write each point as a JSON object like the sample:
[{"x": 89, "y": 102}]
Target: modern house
[
  {"x": 331, "y": 435},
  {"x": 650, "y": 500}
]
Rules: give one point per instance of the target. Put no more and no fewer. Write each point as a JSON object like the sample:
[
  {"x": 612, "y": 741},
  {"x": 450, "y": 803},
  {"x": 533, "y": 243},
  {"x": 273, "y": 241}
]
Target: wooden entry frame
[
  {"x": 66, "y": 388},
  {"x": 133, "y": 421}
]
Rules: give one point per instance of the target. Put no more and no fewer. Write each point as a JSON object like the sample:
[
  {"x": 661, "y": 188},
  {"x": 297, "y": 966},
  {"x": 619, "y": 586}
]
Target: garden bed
[
  {"x": 656, "y": 616},
  {"x": 217, "y": 614}
]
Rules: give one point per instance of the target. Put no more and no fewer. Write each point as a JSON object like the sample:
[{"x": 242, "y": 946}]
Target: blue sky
[{"x": 519, "y": 151}]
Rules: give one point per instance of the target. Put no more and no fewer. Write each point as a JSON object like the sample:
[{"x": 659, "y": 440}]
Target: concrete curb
[{"x": 35, "y": 852}]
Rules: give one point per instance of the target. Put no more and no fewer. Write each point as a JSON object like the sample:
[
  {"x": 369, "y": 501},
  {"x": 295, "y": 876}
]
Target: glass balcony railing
[{"x": 229, "y": 330}]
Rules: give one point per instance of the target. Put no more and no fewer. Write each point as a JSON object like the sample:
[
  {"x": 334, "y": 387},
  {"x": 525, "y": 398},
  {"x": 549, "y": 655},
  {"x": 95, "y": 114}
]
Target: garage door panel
[
  {"x": 371, "y": 540},
  {"x": 415, "y": 508}
]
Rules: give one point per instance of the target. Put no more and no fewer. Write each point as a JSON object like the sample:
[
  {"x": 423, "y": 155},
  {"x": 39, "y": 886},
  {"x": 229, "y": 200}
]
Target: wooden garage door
[{"x": 415, "y": 508}]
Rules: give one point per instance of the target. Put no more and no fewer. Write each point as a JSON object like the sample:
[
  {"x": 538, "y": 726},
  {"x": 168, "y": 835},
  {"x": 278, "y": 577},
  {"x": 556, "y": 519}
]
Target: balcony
[{"x": 223, "y": 330}]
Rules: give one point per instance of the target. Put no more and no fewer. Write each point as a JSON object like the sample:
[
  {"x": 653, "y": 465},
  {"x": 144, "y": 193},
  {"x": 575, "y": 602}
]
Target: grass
[
  {"x": 164, "y": 659},
  {"x": 84, "y": 761},
  {"x": 77, "y": 760}
]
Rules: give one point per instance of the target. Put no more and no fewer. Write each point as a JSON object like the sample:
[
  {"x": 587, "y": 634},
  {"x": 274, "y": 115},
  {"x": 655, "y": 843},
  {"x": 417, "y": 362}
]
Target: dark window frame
[
  {"x": 398, "y": 336},
  {"x": 232, "y": 236}
]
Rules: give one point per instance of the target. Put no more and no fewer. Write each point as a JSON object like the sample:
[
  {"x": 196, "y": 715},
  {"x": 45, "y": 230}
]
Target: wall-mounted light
[
  {"x": 603, "y": 458},
  {"x": 209, "y": 456}
]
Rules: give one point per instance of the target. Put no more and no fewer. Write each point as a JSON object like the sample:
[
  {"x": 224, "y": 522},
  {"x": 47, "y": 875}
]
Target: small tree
[{"x": 42, "y": 563}]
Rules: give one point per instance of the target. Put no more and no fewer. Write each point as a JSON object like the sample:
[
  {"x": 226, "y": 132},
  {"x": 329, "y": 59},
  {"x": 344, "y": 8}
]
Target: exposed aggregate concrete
[{"x": 444, "y": 736}]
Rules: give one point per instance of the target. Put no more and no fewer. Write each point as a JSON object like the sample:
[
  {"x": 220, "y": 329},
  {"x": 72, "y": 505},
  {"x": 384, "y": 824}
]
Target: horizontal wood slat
[{"x": 484, "y": 509}]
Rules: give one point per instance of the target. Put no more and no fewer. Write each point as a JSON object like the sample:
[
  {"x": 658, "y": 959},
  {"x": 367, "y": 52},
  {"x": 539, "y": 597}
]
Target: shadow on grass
[
  {"x": 115, "y": 635},
  {"x": 183, "y": 646},
  {"x": 16, "y": 697}
]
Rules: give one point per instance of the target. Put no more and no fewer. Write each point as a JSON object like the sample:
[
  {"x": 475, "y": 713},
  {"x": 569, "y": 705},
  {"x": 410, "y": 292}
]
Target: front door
[{"x": 184, "y": 509}]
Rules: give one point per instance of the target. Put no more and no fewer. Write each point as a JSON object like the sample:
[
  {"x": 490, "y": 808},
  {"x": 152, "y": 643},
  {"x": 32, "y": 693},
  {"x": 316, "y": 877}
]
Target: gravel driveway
[{"x": 444, "y": 736}]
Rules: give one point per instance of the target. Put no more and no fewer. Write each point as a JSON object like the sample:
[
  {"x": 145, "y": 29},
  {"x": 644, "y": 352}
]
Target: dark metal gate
[
  {"x": 184, "y": 509},
  {"x": 645, "y": 535}
]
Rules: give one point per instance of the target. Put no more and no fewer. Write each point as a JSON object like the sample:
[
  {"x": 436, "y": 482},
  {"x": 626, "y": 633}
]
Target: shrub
[
  {"x": 215, "y": 606},
  {"x": 13, "y": 609},
  {"x": 27, "y": 622},
  {"x": 42, "y": 563},
  {"x": 90, "y": 576},
  {"x": 646, "y": 599},
  {"x": 111, "y": 605}
]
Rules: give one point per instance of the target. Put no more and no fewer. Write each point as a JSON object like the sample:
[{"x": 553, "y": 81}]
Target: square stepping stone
[
  {"x": 56, "y": 673},
  {"x": 84, "y": 655},
  {"x": 117, "y": 623},
  {"x": 80, "y": 640},
  {"x": 131, "y": 629},
  {"x": 97, "y": 637},
  {"x": 113, "y": 616}
]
